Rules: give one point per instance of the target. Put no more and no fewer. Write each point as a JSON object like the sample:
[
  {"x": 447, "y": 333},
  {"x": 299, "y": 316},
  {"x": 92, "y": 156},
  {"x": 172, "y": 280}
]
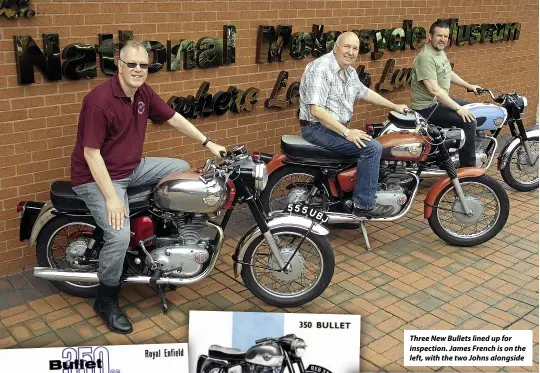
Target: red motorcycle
[{"x": 465, "y": 207}]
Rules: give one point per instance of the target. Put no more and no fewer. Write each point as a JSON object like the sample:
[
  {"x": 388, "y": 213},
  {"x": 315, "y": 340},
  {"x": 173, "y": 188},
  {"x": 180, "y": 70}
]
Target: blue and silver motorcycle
[{"x": 517, "y": 160}]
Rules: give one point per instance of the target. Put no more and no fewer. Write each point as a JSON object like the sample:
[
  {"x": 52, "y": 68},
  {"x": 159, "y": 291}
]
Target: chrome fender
[
  {"x": 504, "y": 157},
  {"x": 277, "y": 220},
  {"x": 46, "y": 214}
]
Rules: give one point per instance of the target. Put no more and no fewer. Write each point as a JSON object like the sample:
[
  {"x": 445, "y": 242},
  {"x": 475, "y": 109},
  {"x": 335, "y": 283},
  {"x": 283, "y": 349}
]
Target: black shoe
[
  {"x": 378, "y": 211},
  {"x": 108, "y": 308}
]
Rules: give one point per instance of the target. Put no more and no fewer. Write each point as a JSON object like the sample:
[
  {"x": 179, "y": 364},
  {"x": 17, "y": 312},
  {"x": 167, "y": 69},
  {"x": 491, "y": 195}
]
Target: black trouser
[{"x": 445, "y": 117}]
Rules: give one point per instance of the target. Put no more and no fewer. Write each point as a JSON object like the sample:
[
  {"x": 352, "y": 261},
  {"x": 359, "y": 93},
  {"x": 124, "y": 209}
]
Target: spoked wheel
[
  {"x": 61, "y": 244},
  {"x": 291, "y": 185},
  {"x": 310, "y": 270},
  {"x": 490, "y": 208},
  {"x": 518, "y": 172}
]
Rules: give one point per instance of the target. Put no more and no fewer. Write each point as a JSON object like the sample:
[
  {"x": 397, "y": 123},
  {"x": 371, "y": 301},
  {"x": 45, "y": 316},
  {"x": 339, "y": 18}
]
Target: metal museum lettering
[{"x": 274, "y": 44}]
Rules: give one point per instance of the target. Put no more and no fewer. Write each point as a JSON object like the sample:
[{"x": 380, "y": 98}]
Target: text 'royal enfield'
[{"x": 285, "y": 260}]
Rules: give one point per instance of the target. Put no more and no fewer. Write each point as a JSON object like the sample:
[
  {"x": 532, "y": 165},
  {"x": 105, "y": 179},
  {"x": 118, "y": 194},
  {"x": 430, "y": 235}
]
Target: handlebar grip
[
  {"x": 262, "y": 340},
  {"x": 222, "y": 154}
]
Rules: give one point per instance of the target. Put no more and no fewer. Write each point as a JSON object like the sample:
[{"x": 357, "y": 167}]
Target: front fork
[{"x": 450, "y": 169}]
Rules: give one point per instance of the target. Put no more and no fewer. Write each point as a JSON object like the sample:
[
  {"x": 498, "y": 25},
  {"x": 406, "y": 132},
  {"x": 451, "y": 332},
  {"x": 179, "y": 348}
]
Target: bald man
[{"x": 328, "y": 90}]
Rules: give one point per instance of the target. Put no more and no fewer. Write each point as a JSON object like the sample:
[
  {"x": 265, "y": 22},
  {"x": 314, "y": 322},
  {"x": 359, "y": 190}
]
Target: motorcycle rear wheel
[
  {"x": 275, "y": 287},
  {"x": 54, "y": 239},
  {"x": 290, "y": 184},
  {"x": 516, "y": 172},
  {"x": 484, "y": 193}
]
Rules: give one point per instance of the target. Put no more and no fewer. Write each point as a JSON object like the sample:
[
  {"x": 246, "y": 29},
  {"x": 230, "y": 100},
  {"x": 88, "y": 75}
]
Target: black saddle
[
  {"x": 408, "y": 120},
  {"x": 225, "y": 353},
  {"x": 402, "y": 120},
  {"x": 63, "y": 198},
  {"x": 297, "y": 148}
]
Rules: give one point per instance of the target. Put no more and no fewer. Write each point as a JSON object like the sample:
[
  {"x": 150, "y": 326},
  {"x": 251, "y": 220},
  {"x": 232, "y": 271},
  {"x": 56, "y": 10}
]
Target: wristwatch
[
  {"x": 346, "y": 132},
  {"x": 206, "y": 142}
]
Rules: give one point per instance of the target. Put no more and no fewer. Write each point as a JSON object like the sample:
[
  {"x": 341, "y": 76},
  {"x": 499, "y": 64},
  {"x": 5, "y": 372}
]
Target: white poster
[
  {"x": 97, "y": 359},
  {"x": 321, "y": 343}
]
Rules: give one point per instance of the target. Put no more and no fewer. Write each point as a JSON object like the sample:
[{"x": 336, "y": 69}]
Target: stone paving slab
[{"x": 410, "y": 280}]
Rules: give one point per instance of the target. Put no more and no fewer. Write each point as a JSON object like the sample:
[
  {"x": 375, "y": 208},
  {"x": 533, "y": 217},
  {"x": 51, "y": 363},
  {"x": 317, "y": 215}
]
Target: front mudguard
[
  {"x": 504, "y": 157},
  {"x": 277, "y": 220},
  {"x": 440, "y": 184}
]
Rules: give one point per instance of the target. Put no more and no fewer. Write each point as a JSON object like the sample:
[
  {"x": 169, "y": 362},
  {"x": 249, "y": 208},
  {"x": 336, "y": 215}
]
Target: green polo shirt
[{"x": 429, "y": 64}]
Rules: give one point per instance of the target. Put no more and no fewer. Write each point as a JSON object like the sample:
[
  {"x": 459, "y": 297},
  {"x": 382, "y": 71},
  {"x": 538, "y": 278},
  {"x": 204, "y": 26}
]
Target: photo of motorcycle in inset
[{"x": 268, "y": 355}]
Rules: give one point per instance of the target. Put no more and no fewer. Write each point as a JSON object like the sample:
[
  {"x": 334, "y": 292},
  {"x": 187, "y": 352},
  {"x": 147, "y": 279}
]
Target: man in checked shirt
[{"x": 328, "y": 89}]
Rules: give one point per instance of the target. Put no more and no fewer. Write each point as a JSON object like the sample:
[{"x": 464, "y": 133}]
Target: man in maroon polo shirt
[{"x": 107, "y": 159}]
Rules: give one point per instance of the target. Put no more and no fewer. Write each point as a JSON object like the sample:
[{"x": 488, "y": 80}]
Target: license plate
[
  {"x": 317, "y": 369},
  {"x": 307, "y": 211}
]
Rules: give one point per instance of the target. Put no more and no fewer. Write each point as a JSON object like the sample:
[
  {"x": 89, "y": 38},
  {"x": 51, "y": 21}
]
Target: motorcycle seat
[
  {"x": 63, "y": 198},
  {"x": 402, "y": 120},
  {"x": 226, "y": 353},
  {"x": 297, "y": 148}
]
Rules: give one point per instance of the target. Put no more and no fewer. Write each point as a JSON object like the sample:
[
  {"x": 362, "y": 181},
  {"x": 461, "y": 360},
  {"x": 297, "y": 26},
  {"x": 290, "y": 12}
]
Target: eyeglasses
[{"x": 133, "y": 65}]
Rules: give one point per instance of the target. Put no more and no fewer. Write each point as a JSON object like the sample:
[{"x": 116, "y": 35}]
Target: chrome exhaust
[{"x": 53, "y": 274}]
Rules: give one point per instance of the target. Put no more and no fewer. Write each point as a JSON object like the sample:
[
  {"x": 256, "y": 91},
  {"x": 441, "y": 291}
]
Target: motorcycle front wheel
[
  {"x": 518, "y": 172},
  {"x": 308, "y": 275},
  {"x": 58, "y": 245},
  {"x": 490, "y": 208}
]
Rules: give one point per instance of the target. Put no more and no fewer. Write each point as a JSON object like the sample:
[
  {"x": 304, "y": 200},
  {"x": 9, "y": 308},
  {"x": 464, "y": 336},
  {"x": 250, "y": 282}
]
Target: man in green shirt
[{"x": 431, "y": 77}]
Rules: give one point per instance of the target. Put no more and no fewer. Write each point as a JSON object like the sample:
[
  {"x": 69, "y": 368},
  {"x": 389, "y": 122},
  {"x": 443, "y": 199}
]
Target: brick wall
[{"x": 38, "y": 121}]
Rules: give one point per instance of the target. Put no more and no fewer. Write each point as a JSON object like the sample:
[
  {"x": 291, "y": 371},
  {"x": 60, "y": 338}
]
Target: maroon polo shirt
[{"x": 109, "y": 121}]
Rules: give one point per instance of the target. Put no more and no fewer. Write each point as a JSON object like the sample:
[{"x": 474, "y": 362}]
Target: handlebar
[{"x": 486, "y": 90}]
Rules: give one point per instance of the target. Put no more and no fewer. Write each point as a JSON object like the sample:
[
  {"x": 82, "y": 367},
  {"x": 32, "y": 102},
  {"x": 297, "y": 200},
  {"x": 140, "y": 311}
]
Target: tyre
[
  {"x": 59, "y": 243},
  {"x": 310, "y": 270},
  {"x": 518, "y": 173},
  {"x": 490, "y": 208},
  {"x": 291, "y": 184}
]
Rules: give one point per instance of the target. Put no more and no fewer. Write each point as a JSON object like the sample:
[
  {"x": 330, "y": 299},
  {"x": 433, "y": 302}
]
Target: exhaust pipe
[{"x": 53, "y": 274}]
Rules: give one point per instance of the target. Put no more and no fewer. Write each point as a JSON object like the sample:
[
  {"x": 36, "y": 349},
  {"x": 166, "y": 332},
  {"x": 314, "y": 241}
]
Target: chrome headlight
[
  {"x": 298, "y": 347},
  {"x": 523, "y": 105},
  {"x": 461, "y": 138},
  {"x": 260, "y": 175}
]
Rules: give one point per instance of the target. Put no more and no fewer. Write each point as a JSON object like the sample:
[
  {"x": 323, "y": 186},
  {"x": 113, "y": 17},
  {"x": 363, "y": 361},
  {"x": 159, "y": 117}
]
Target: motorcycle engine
[
  {"x": 393, "y": 188},
  {"x": 184, "y": 255}
]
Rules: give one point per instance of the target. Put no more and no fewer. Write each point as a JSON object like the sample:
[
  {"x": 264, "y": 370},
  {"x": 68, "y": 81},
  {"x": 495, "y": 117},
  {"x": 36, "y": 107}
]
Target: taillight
[
  {"x": 370, "y": 130},
  {"x": 20, "y": 208}
]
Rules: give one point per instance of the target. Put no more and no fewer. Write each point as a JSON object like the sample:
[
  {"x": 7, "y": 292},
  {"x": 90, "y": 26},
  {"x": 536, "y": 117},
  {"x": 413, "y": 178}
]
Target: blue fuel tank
[{"x": 488, "y": 116}]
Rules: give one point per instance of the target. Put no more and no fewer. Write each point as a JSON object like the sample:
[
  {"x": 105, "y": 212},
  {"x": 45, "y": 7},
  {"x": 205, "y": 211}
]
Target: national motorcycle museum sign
[{"x": 274, "y": 44}]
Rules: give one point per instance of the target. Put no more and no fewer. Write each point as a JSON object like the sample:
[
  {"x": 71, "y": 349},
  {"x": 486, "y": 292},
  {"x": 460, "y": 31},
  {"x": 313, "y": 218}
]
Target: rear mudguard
[
  {"x": 277, "y": 220},
  {"x": 440, "y": 184},
  {"x": 46, "y": 214},
  {"x": 504, "y": 157}
]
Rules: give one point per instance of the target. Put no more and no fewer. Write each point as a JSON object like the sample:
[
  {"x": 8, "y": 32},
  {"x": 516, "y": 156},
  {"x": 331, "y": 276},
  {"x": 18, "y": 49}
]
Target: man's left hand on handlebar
[{"x": 475, "y": 89}]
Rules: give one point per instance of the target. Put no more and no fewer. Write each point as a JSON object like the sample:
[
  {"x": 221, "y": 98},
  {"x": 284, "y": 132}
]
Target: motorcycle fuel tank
[
  {"x": 404, "y": 146},
  {"x": 266, "y": 355},
  {"x": 495, "y": 116},
  {"x": 189, "y": 191}
]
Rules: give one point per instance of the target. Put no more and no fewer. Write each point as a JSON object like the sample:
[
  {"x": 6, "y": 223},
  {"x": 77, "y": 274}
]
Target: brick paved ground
[{"x": 411, "y": 280}]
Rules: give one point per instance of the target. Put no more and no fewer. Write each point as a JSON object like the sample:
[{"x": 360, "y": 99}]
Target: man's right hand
[
  {"x": 116, "y": 211},
  {"x": 356, "y": 136},
  {"x": 465, "y": 114}
]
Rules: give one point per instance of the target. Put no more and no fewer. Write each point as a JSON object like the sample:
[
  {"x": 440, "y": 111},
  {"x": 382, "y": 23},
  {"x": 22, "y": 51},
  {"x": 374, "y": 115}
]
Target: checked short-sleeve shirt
[{"x": 322, "y": 85}]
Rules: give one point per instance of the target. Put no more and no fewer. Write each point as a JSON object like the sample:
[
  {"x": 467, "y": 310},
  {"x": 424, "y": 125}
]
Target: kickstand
[
  {"x": 161, "y": 293},
  {"x": 364, "y": 232}
]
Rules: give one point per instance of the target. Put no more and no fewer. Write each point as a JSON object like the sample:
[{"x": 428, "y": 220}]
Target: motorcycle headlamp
[
  {"x": 522, "y": 103},
  {"x": 260, "y": 175},
  {"x": 454, "y": 138},
  {"x": 298, "y": 347}
]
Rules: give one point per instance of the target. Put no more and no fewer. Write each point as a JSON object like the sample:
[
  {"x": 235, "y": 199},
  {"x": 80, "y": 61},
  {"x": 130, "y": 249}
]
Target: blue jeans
[
  {"x": 368, "y": 159},
  {"x": 111, "y": 256}
]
